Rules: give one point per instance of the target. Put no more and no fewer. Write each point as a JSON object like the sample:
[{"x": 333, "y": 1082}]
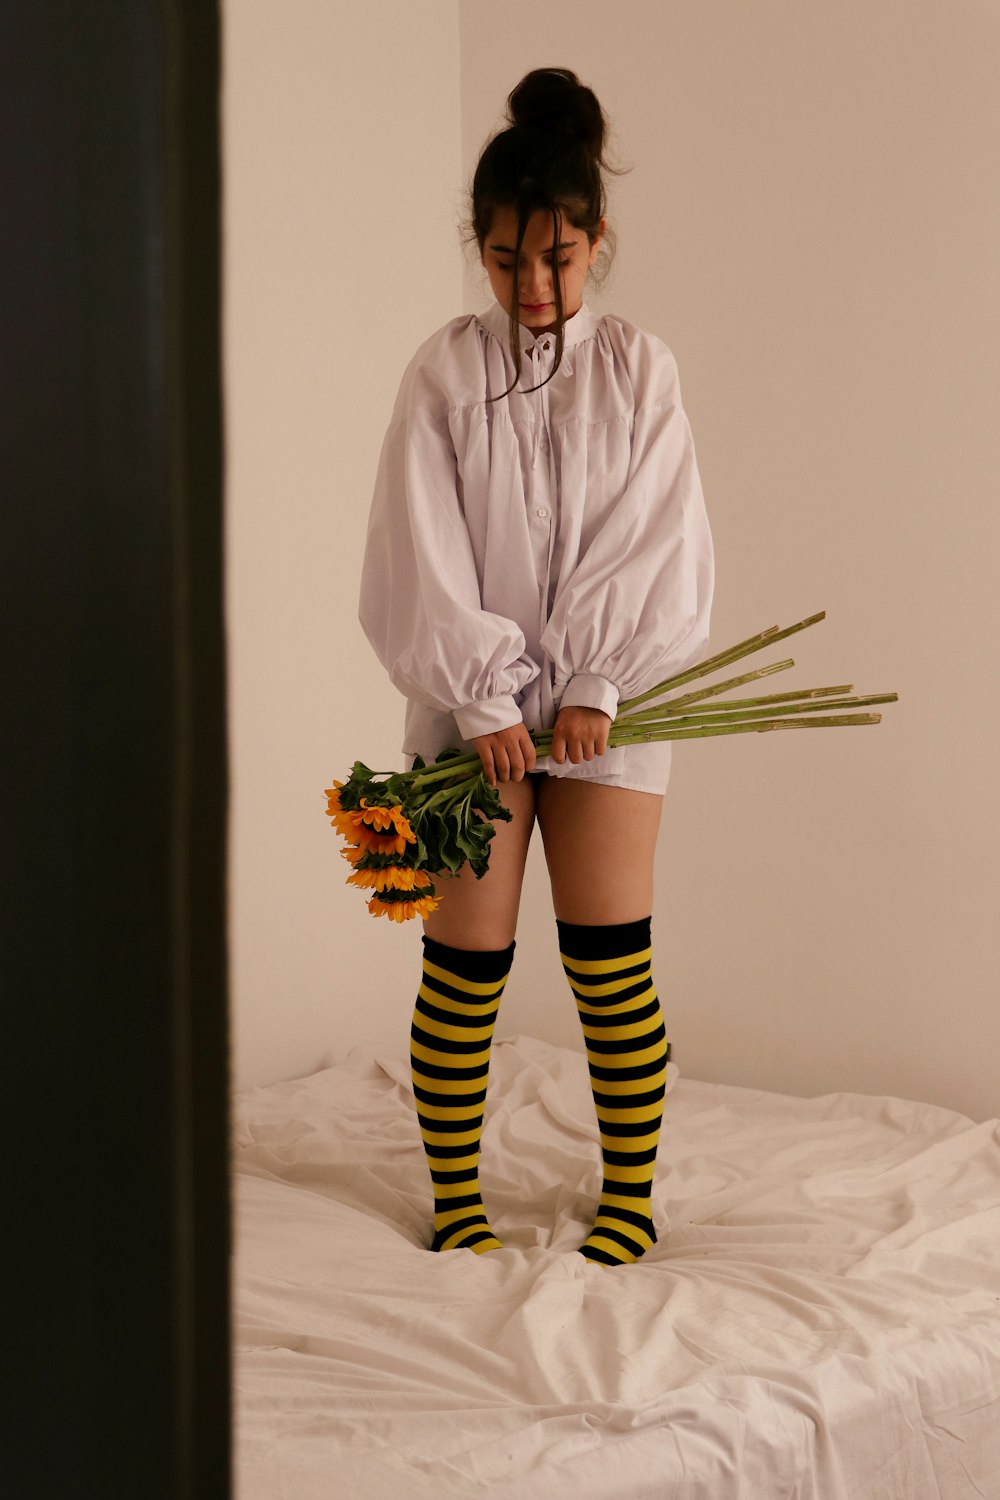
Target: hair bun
[{"x": 554, "y": 99}]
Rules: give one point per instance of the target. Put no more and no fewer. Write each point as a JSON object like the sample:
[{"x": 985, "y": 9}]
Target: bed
[{"x": 820, "y": 1319}]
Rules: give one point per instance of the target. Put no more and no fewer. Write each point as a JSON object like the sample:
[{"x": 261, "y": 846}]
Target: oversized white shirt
[{"x": 545, "y": 549}]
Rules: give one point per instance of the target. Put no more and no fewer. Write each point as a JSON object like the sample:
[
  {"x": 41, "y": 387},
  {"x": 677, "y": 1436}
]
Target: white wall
[
  {"x": 341, "y": 156},
  {"x": 813, "y": 225}
]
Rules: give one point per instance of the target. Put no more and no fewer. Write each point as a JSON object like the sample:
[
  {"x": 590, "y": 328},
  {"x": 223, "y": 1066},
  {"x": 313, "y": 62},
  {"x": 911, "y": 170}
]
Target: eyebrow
[{"x": 565, "y": 245}]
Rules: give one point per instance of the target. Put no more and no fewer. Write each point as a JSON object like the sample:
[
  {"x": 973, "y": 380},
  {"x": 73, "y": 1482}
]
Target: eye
[{"x": 501, "y": 267}]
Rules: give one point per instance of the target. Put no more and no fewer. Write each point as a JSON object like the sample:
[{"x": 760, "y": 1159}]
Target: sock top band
[
  {"x": 480, "y": 965},
  {"x": 603, "y": 942}
]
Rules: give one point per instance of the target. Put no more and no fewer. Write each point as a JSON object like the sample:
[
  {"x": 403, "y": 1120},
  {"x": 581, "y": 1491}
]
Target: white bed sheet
[{"x": 820, "y": 1319}]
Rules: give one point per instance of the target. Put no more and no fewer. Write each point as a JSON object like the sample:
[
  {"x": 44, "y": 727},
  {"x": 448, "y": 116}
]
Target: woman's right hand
[{"x": 507, "y": 755}]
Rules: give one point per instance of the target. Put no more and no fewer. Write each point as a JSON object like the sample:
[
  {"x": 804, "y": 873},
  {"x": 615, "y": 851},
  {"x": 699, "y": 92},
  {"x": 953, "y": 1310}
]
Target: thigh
[
  {"x": 599, "y": 846},
  {"x": 482, "y": 914}
]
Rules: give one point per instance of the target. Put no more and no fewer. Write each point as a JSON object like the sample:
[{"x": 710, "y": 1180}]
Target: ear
[{"x": 596, "y": 245}]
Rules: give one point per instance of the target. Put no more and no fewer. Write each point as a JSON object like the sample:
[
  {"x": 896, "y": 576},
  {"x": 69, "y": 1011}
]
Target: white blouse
[{"x": 548, "y": 548}]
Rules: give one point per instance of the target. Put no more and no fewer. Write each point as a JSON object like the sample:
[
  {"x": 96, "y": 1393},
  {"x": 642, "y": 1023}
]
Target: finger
[
  {"x": 486, "y": 756},
  {"x": 516, "y": 757},
  {"x": 502, "y": 763},
  {"x": 558, "y": 749}
]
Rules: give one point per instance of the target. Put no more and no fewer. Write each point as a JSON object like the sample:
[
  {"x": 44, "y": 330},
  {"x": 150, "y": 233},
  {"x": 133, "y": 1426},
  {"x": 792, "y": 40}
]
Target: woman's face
[{"x": 533, "y": 286}]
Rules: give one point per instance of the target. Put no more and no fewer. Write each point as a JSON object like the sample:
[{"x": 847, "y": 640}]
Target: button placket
[
  {"x": 553, "y": 494},
  {"x": 544, "y": 483},
  {"x": 536, "y": 436},
  {"x": 539, "y": 350}
]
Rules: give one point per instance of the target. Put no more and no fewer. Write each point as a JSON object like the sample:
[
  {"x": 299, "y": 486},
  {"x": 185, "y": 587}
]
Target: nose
[{"x": 535, "y": 284}]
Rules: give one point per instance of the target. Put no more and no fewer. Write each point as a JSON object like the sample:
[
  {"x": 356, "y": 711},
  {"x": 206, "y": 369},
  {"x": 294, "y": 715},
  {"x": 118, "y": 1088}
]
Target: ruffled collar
[{"x": 582, "y": 325}]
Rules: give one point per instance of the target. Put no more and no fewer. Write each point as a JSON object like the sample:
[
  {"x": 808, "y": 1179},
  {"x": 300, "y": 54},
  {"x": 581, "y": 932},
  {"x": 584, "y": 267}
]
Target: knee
[{"x": 477, "y": 936}]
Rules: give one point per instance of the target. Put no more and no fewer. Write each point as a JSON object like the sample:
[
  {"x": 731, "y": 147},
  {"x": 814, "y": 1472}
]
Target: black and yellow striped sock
[
  {"x": 450, "y": 1061},
  {"x": 610, "y": 972}
]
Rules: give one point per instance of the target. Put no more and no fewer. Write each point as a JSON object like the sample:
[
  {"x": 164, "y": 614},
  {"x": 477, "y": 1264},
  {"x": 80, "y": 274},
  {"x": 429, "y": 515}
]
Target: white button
[{"x": 541, "y": 511}]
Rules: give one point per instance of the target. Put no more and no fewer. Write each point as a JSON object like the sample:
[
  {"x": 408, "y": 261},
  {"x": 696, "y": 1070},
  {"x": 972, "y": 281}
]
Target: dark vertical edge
[
  {"x": 194, "y": 357},
  {"x": 114, "y": 821}
]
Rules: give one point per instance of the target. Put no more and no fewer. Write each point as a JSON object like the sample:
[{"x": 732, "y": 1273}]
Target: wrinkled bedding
[{"x": 819, "y": 1320}]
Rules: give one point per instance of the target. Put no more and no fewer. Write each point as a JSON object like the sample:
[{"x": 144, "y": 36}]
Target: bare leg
[
  {"x": 599, "y": 845},
  {"x": 482, "y": 914}
]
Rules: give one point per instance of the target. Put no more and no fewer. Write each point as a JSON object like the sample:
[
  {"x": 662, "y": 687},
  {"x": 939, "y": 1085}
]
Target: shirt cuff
[
  {"x": 587, "y": 690},
  {"x": 488, "y": 717}
]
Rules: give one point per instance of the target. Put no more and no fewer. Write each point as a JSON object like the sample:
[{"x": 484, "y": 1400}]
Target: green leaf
[
  {"x": 356, "y": 786},
  {"x": 487, "y": 800}
]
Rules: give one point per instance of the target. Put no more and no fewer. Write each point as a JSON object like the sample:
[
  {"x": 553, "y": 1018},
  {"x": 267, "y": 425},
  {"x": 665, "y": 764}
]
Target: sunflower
[
  {"x": 343, "y": 822},
  {"x": 383, "y": 830},
  {"x": 402, "y": 911},
  {"x": 392, "y": 878},
  {"x": 332, "y": 795}
]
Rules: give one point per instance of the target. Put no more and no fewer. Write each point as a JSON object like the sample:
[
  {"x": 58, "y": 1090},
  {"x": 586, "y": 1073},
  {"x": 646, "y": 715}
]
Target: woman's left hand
[{"x": 579, "y": 734}]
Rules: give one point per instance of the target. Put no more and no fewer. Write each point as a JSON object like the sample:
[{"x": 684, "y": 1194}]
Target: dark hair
[{"x": 551, "y": 158}]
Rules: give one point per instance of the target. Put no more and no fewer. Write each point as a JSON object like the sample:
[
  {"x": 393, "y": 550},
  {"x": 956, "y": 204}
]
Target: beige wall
[
  {"x": 813, "y": 225},
  {"x": 341, "y": 154}
]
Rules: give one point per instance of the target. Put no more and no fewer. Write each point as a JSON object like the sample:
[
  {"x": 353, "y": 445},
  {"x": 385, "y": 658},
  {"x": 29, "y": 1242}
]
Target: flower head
[
  {"x": 391, "y": 878},
  {"x": 383, "y": 830},
  {"x": 402, "y": 911}
]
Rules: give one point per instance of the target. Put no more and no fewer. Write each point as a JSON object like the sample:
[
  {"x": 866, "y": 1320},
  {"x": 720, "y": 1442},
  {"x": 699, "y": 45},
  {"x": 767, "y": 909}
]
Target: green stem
[
  {"x": 723, "y": 687},
  {"x": 802, "y": 694},
  {"x": 446, "y": 794},
  {"x": 775, "y": 705},
  {"x": 681, "y": 705},
  {"x": 435, "y": 772},
  {"x": 725, "y": 714},
  {"x": 710, "y": 692},
  {"x": 637, "y": 737},
  {"x": 753, "y": 643}
]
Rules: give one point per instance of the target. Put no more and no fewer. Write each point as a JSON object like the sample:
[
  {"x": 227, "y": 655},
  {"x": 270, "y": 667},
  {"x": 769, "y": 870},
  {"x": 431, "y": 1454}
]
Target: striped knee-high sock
[
  {"x": 450, "y": 1061},
  {"x": 610, "y": 972}
]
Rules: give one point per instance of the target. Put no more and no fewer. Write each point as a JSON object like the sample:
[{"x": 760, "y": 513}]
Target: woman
[{"x": 538, "y": 549}]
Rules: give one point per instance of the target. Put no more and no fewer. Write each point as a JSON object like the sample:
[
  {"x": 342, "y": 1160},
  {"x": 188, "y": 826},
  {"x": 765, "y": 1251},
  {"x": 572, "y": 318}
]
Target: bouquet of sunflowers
[{"x": 405, "y": 829}]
